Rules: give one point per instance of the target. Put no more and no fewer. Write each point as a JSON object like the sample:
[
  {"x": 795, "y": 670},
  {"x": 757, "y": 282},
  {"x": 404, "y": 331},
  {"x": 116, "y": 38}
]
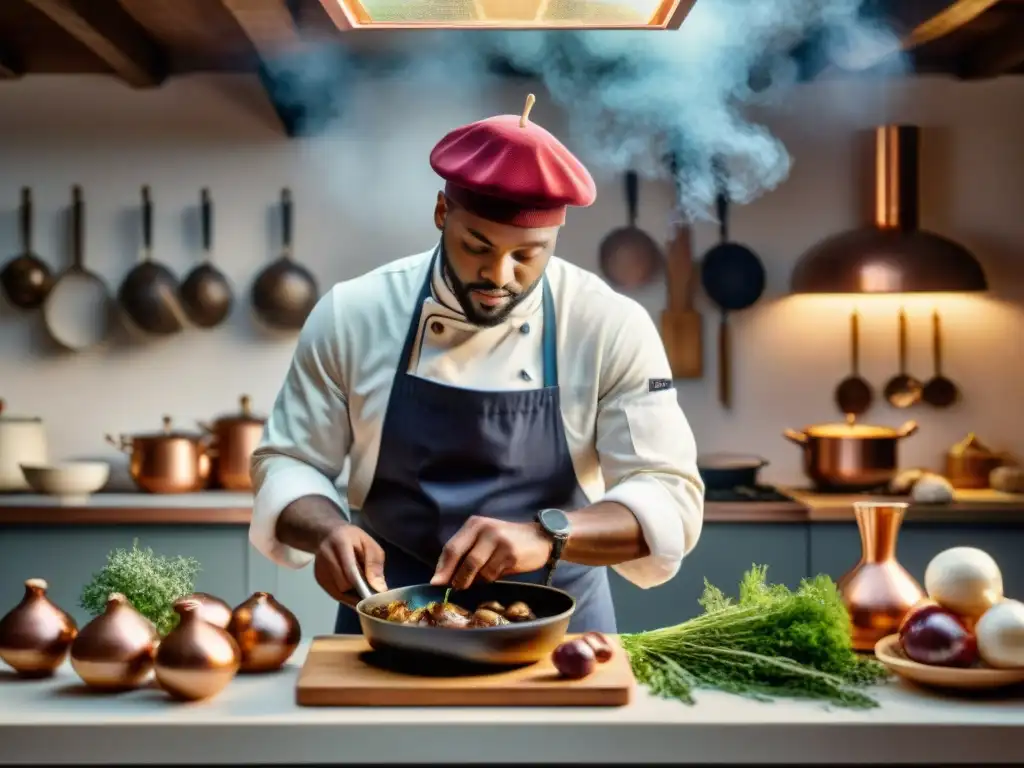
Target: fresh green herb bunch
[
  {"x": 151, "y": 583},
  {"x": 771, "y": 642}
]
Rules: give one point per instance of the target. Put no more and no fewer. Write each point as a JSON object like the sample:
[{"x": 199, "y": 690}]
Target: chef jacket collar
[{"x": 443, "y": 294}]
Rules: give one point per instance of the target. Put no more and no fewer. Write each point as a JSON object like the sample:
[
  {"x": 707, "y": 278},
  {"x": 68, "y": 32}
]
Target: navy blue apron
[{"x": 447, "y": 454}]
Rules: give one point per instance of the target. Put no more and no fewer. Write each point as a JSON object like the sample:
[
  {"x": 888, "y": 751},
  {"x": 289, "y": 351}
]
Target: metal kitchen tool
[
  {"x": 733, "y": 278},
  {"x": 903, "y": 390},
  {"x": 519, "y": 643},
  {"x": 939, "y": 391},
  {"x": 629, "y": 257},
  {"x": 285, "y": 292},
  {"x": 854, "y": 394},
  {"x": 206, "y": 294},
  {"x": 78, "y": 309},
  {"x": 26, "y": 279}
]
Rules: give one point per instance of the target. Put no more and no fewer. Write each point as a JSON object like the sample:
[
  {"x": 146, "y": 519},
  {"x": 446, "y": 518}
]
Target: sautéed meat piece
[{"x": 454, "y": 616}]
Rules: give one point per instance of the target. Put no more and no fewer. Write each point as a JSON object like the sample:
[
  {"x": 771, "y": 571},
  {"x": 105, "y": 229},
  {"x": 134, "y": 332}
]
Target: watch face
[{"x": 555, "y": 521}]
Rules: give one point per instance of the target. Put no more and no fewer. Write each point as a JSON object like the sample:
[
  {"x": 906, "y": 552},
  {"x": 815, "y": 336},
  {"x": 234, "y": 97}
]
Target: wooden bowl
[{"x": 888, "y": 651}]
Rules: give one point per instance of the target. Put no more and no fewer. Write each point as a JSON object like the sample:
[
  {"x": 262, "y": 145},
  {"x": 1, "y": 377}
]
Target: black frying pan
[
  {"x": 508, "y": 645},
  {"x": 733, "y": 278}
]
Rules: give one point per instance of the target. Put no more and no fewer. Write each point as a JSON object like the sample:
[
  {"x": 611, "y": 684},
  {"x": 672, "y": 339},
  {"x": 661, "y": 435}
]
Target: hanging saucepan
[
  {"x": 285, "y": 292},
  {"x": 149, "y": 293},
  {"x": 733, "y": 278},
  {"x": 206, "y": 294},
  {"x": 26, "y": 279},
  {"x": 629, "y": 257},
  {"x": 78, "y": 309}
]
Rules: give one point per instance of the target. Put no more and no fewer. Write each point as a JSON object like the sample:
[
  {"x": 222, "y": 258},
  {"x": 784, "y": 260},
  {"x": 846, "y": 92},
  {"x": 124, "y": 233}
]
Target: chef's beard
[{"x": 487, "y": 317}]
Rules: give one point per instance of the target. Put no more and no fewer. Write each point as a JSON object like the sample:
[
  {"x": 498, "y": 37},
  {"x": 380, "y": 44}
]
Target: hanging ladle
[
  {"x": 903, "y": 390},
  {"x": 939, "y": 391},
  {"x": 854, "y": 394}
]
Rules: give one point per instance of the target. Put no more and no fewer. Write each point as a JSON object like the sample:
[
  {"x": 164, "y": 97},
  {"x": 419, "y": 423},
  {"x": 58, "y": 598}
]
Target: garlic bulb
[
  {"x": 1000, "y": 634},
  {"x": 964, "y": 580},
  {"x": 932, "y": 489}
]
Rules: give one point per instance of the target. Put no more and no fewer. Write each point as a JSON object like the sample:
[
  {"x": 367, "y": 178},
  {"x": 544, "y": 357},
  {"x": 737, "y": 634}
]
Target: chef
[{"x": 505, "y": 413}]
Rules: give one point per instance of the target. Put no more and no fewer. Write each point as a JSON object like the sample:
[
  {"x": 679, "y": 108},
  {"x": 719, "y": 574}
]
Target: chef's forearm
[
  {"x": 305, "y": 522},
  {"x": 605, "y": 533}
]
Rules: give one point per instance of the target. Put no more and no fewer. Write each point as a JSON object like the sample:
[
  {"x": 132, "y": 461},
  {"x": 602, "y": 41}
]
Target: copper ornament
[
  {"x": 211, "y": 609},
  {"x": 197, "y": 659},
  {"x": 267, "y": 633},
  {"x": 114, "y": 651},
  {"x": 878, "y": 591},
  {"x": 35, "y": 635}
]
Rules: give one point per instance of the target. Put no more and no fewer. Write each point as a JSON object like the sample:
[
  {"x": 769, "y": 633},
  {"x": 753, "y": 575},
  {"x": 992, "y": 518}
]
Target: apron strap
[{"x": 548, "y": 340}]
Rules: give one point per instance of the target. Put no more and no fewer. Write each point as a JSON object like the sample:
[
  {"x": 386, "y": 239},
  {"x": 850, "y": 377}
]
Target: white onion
[
  {"x": 1000, "y": 635},
  {"x": 964, "y": 580}
]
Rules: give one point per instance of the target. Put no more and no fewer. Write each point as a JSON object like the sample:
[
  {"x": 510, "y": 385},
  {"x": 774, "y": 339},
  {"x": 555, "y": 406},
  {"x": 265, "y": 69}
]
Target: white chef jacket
[{"x": 629, "y": 440}]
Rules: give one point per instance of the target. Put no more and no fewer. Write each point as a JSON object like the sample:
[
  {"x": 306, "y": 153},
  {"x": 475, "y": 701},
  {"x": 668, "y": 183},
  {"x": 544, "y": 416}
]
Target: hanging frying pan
[
  {"x": 26, "y": 279},
  {"x": 629, "y": 256},
  {"x": 149, "y": 292},
  {"x": 733, "y": 278},
  {"x": 78, "y": 309},
  {"x": 206, "y": 293},
  {"x": 285, "y": 292}
]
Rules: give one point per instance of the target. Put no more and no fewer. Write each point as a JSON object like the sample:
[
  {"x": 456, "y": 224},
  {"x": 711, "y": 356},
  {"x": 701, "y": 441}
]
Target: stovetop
[{"x": 741, "y": 493}]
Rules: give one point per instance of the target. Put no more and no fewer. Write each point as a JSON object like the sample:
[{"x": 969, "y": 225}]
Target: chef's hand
[
  {"x": 487, "y": 549},
  {"x": 345, "y": 551}
]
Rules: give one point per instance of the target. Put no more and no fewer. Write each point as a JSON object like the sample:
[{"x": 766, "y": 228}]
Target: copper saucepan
[
  {"x": 235, "y": 437},
  {"x": 850, "y": 457},
  {"x": 167, "y": 461}
]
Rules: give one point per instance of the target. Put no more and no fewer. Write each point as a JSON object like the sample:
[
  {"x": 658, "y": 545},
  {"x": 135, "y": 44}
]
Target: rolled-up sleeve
[
  {"x": 307, "y": 436},
  {"x": 646, "y": 448}
]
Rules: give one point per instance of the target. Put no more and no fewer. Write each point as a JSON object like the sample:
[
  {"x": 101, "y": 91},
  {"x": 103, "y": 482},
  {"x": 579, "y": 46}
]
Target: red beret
[{"x": 510, "y": 170}]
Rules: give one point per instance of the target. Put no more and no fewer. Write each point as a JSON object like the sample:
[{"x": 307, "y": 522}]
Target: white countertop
[{"x": 256, "y": 721}]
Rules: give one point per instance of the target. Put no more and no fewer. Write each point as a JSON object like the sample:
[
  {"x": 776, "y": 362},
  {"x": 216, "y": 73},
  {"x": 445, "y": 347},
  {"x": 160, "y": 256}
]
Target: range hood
[
  {"x": 507, "y": 14},
  {"x": 894, "y": 255}
]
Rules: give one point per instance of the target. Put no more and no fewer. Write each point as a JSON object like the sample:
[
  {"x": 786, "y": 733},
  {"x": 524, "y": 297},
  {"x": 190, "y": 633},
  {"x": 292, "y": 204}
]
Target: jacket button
[
  {"x": 437, "y": 327},
  {"x": 524, "y": 328}
]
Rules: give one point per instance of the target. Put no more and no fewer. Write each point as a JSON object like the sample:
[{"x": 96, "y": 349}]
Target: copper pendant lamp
[{"x": 894, "y": 255}]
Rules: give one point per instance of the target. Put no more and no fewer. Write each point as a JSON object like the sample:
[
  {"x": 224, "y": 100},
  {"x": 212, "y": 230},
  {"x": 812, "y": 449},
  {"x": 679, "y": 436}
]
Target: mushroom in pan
[
  {"x": 482, "y": 617},
  {"x": 519, "y": 612}
]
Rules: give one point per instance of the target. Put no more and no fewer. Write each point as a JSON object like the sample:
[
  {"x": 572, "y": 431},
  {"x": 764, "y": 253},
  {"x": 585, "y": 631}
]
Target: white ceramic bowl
[{"x": 72, "y": 481}]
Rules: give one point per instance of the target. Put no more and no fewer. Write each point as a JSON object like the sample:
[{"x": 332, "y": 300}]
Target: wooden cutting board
[
  {"x": 340, "y": 671},
  {"x": 681, "y": 325}
]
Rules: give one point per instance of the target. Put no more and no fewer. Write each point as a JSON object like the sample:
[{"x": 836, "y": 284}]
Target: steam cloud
[{"x": 634, "y": 97}]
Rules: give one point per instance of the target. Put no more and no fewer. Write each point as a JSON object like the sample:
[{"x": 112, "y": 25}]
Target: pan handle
[
  {"x": 632, "y": 196},
  {"x": 362, "y": 590},
  {"x": 122, "y": 443}
]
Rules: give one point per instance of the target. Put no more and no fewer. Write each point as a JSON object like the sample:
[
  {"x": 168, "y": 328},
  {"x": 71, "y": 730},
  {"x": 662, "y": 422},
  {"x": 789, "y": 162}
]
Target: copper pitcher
[{"x": 878, "y": 591}]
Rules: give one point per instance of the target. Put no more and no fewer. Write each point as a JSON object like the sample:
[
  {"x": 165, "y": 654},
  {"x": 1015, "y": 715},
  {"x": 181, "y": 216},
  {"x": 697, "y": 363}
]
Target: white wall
[{"x": 366, "y": 197}]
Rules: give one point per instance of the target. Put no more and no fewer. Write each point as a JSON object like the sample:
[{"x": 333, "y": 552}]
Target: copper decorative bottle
[{"x": 878, "y": 591}]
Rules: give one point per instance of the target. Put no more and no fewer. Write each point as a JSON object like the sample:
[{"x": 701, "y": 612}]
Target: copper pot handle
[
  {"x": 205, "y": 426},
  {"x": 799, "y": 438},
  {"x": 122, "y": 442},
  {"x": 907, "y": 429}
]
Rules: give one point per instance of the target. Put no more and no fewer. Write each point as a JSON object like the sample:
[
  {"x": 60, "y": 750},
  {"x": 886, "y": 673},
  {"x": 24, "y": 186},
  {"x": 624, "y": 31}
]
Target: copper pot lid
[
  {"x": 971, "y": 446},
  {"x": 851, "y": 429},
  {"x": 168, "y": 433},
  {"x": 243, "y": 417},
  {"x": 7, "y": 419}
]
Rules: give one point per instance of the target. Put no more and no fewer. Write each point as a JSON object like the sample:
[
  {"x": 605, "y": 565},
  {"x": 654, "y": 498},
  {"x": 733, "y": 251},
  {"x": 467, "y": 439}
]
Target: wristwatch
[{"x": 555, "y": 523}]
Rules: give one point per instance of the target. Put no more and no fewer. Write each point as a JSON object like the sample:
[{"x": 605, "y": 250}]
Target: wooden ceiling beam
[
  {"x": 273, "y": 31},
  {"x": 111, "y": 35},
  {"x": 947, "y": 21},
  {"x": 996, "y": 55},
  {"x": 8, "y": 69}
]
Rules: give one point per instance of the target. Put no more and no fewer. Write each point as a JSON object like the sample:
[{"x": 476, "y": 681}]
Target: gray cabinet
[{"x": 724, "y": 552}]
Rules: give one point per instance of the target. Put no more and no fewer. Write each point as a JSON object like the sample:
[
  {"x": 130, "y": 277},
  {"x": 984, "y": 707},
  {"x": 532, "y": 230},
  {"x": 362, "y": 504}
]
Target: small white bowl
[{"x": 72, "y": 482}]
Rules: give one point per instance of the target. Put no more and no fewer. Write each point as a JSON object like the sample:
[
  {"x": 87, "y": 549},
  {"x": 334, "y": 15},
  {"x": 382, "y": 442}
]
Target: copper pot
[
  {"x": 35, "y": 635},
  {"x": 969, "y": 463},
  {"x": 850, "y": 457},
  {"x": 166, "y": 461},
  {"x": 235, "y": 437},
  {"x": 878, "y": 591}
]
